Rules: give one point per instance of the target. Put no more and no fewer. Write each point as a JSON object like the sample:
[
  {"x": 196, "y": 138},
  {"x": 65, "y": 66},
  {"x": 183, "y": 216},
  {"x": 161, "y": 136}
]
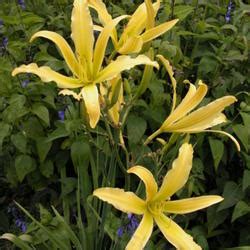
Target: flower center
[{"x": 155, "y": 207}]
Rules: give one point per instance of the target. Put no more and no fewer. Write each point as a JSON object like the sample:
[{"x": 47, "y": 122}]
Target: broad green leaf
[
  {"x": 217, "y": 149},
  {"x": 20, "y": 142},
  {"x": 4, "y": 132},
  {"x": 232, "y": 193},
  {"x": 47, "y": 168},
  {"x": 60, "y": 132},
  {"x": 237, "y": 248},
  {"x": 42, "y": 112},
  {"x": 24, "y": 165},
  {"x": 246, "y": 180},
  {"x": 43, "y": 147},
  {"x": 182, "y": 11},
  {"x": 240, "y": 210},
  {"x": 136, "y": 127},
  {"x": 69, "y": 184}
]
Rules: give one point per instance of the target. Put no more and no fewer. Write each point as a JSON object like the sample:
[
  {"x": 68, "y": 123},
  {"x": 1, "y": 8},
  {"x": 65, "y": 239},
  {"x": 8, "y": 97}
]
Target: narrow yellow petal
[
  {"x": 146, "y": 176},
  {"x": 127, "y": 202},
  {"x": 190, "y": 101},
  {"x": 227, "y": 134},
  {"x": 190, "y": 205},
  {"x": 150, "y": 14},
  {"x": 123, "y": 63},
  {"x": 63, "y": 46},
  {"x": 82, "y": 32},
  {"x": 205, "y": 114},
  {"x": 103, "y": 16},
  {"x": 158, "y": 30},
  {"x": 142, "y": 233},
  {"x": 170, "y": 71},
  {"x": 102, "y": 41},
  {"x": 90, "y": 96},
  {"x": 70, "y": 92},
  {"x": 177, "y": 176},
  {"x": 175, "y": 234},
  {"x": 48, "y": 75},
  {"x": 132, "y": 44}
]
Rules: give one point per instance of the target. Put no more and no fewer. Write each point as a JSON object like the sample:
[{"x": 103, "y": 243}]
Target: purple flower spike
[
  {"x": 61, "y": 115},
  {"x": 5, "y": 42},
  {"x": 229, "y": 11},
  {"x": 22, "y": 4},
  {"x": 120, "y": 232}
]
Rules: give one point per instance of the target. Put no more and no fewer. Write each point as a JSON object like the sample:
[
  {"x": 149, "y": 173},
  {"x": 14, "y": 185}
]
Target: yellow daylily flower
[
  {"x": 182, "y": 120},
  {"x": 158, "y": 203},
  {"x": 140, "y": 28},
  {"x": 86, "y": 62}
]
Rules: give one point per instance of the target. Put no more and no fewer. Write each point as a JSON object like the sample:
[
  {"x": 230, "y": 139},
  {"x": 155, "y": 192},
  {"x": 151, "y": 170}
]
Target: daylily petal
[
  {"x": 190, "y": 205},
  {"x": 190, "y": 101},
  {"x": 123, "y": 63},
  {"x": 103, "y": 16},
  {"x": 175, "y": 234},
  {"x": 70, "y": 92},
  {"x": 101, "y": 43},
  {"x": 90, "y": 96},
  {"x": 127, "y": 202},
  {"x": 158, "y": 30},
  {"x": 150, "y": 14},
  {"x": 177, "y": 176},
  {"x": 142, "y": 233},
  {"x": 132, "y": 44},
  {"x": 82, "y": 31},
  {"x": 48, "y": 75},
  {"x": 227, "y": 134},
  {"x": 205, "y": 114},
  {"x": 63, "y": 47},
  {"x": 146, "y": 176},
  {"x": 170, "y": 71}
]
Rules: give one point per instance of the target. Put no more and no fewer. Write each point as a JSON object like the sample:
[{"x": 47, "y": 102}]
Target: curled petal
[
  {"x": 146, "y": 176},
  {"x": 127, "y": 202},
  {"x": 142, "y": 233},
  {"x": 123, "y": 63},
  {"x": 63, "y": 47},
  {"x": 177, "y": 176},
  {"x": 48, "y": 75},
  {"x": 158, "y": 30},
  {"x": 190, "y": 205},
  {"x": 171, "y": 75},
  {"x": 90, "y": 96},
  {"x": 70, "y": 92},
  {"x": 175, "y": 234}
]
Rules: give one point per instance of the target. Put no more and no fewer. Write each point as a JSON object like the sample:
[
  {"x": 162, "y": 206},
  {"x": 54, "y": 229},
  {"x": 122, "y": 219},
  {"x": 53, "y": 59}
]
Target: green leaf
[
  {"x": 20, "y": 142},
  {"x": 237, "y": 248},
  {"x": 4, "y": 132},
  {"x": 136, "y": 127},
  {"x": 246, "y": 180},
  {"x": 232, "y": 193},
  {"x": 58, "y": 133},
  {"x": 47, "y": 168},
  {"x": 42, "y": 112},
  {"x": 182, "y": 11},
  {"x": 24, "y": 165},
  {"x": 242, "y": 133},
  {"x": 43, "y": 147},
  {"x": 217, "y": 149},
  {"x": 240, "y": 210}
]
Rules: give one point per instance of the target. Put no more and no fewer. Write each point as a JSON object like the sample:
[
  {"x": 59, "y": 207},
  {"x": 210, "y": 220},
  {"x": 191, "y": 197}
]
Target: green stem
[{"x": 151, "y": 137}]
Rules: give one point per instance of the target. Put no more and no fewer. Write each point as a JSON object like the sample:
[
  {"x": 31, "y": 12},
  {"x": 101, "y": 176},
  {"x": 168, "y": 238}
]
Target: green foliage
[{"x": 45, "y": 160}]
